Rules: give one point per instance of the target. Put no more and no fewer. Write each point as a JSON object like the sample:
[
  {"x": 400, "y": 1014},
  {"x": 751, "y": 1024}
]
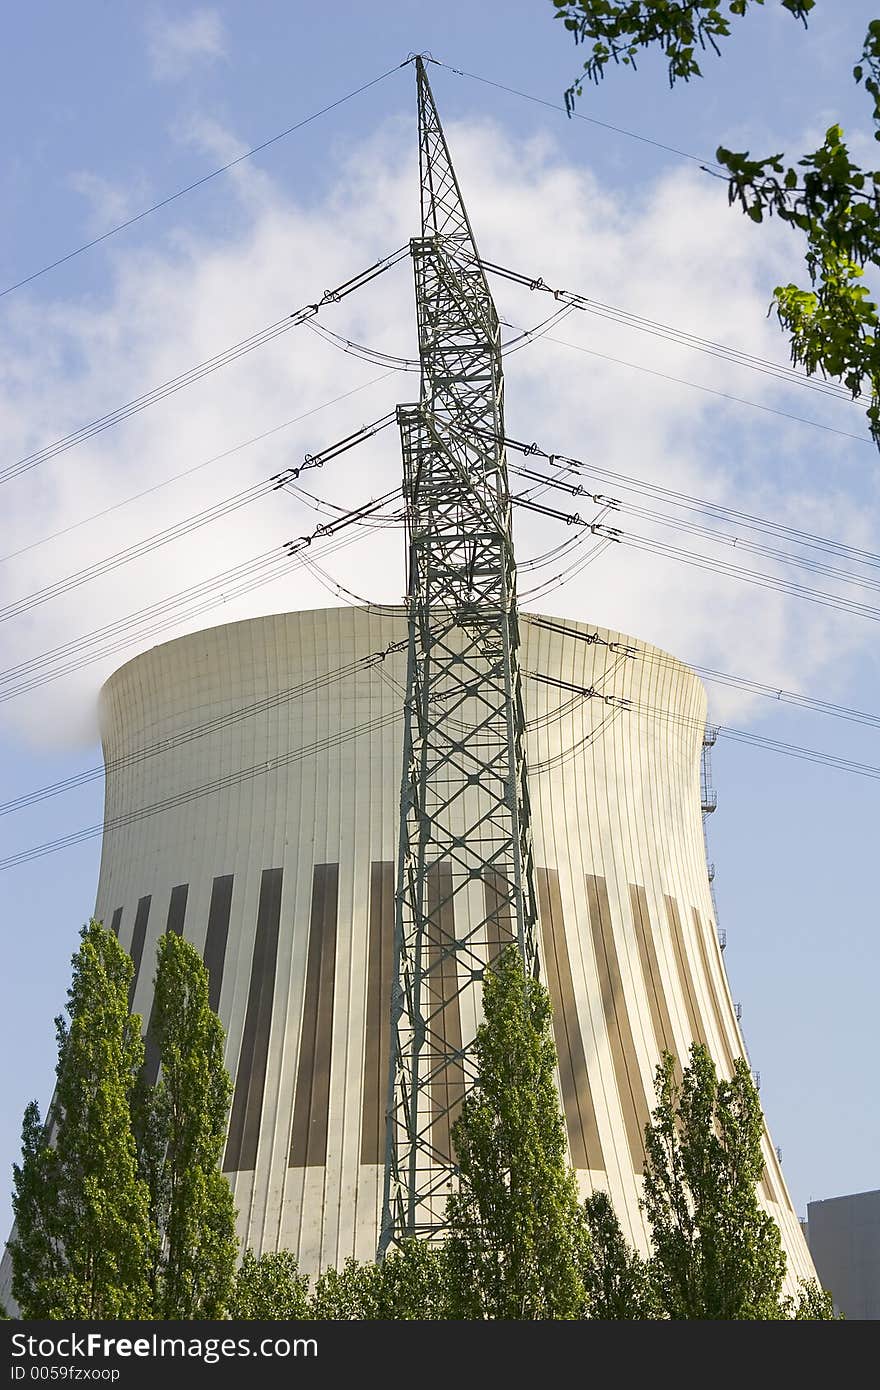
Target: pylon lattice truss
[{"x": 465, "y": 871}]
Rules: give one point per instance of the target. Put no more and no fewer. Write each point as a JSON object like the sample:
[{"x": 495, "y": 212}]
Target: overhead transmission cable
[
  {"x": 199, "y": 182},
  {"x": 745, "y": 683},
  {"x": 619, "y": 651},
  {"x": 139, "y": 549},
  {"x": 217, "y": 724},
  {"x": 183, "y": 528},
  {"x": 683, "y": 501},
  {"x": 622, "y": 651},
  {"x": 176, "y": 608},
  {"x": 373, "y": 515},
  {"x": 709, "y": 390},
  {"x": 708, "y": 562},
  {"x": 413, "y": 364},
  {"x": 788, "y": 375},
  {"x": 575, "y": 115},
  {"x": 741, "y": 543},
  {"x": 203, "y": 369},
  {"x": 617, "y": 705},
  {"x": 689, "y": 502},
  {"x": 307, "y": 120},
  {"x": 184, "y": 798},
  {"x": 188, "y": 472}
]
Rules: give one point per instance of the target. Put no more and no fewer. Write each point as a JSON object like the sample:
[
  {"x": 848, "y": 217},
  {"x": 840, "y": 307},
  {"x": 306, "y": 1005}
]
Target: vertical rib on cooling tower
[{"x": 465, "y": 875}]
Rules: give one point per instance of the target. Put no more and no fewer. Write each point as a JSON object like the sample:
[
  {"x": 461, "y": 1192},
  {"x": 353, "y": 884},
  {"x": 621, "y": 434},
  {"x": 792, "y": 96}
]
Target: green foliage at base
[
  {"x": 617, "y": 1279},
  {"x": 270, "y": 1287},
  {"x": 812, "y": 1304},
  {"x": 83, "y": 1239},
  {"x": 717, "y": 1255},
  {"x": 122, "y": 1211},
  {"x": 181, "y": 1129},
  {"x": 517, "y": 1241}
]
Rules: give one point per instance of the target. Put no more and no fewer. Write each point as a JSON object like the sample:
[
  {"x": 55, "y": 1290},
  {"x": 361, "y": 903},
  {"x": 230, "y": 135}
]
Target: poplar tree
[
  {"x": 517, "y": 1239},
  {"x": 182, "y": 1127},
  {"x": 717, "y": 1255},
  {"x": 617, "y": 1279},
  {"x": 83, "y": 1234}
]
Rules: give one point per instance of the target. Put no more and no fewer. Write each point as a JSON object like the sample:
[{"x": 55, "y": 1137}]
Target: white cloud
[
  {"x": 176, "y": 44},
  {"x": 109, "y": 203},
  {"x": 678, "y": 255}
]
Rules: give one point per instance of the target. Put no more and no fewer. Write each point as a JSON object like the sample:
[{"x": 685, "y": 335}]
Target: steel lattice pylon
[{"x": 465, "y": 873}]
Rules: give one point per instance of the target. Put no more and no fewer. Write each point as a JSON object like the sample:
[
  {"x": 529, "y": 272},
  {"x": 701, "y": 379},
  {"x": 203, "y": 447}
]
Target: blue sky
[{"x": 111, "y": 108}]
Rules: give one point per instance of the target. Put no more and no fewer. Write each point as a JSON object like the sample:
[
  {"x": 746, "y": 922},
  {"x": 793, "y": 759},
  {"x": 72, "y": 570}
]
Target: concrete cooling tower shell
[{"x": 253, "y": 775}]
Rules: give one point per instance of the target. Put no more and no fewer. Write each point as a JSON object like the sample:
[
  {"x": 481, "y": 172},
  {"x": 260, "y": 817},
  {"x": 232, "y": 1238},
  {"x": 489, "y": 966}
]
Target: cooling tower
[{"x": 253, "y": 779}]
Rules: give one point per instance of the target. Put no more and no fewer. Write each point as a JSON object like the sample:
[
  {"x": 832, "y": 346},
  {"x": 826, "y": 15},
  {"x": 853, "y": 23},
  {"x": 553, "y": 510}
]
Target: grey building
[{"x": 844, "y": 1238}]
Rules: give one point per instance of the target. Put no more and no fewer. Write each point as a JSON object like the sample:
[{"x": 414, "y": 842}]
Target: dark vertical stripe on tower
[
  {"x": 116, "y": 921},
  {"x": 177, "y": 909},
  {"x": 444, "y": 1022},
  {"x": 377, "y": 1039},
  {"x": 174, "y": 923},
  {"x": 311, "y": 1106},
  {"x": 250, "y": 1079},
  {"x": 577, "y": 1101},
  {"x": 499, "y": 927},
  {"x": 138, "y": 937},
  {"x": 630, "y": 1086},
  {"x": 685, "y": 978},
  {"x": 215, "y": 940},
  {"x": 663, "y": 1034}
]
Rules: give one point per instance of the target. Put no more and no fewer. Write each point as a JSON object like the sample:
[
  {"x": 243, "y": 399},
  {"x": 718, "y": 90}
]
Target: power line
[
  {"x": 412, "y": 364},
  {"x": 745, "y": 683},
  {"x": 564, "y": 462},
  {"x": 216, "y": 784},
  {"x": 756, "y": 577},
  {"x": 218, "y": 723},
  {"x": 177, "y": 608},
  {"x": 774, "y": 745},
  {"x": 708, "y": 562},
  {"x": 586, "y": 304},
  {"x": 616, "y": 703},
  {"x": 195, "y": 731},
  {"x": 576, "y": 115},
  {"x": 277, "y": 482},
  {"x": 709, "y": 390},
  {"x": 138, "y": 549},
  {"x": 694, "y": 529},
  {"x": 690, "y": 502},
  {"x": 188, "y": 472},
  {"x": 197, "y": 183},
  {"x": 202, "y": 369}
]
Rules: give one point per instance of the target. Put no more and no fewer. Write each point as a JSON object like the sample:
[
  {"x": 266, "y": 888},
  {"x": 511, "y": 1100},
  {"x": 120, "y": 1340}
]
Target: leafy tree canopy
[
  {"x": 617, "y": 1279},
  {"x": 181, "y": 1125},
  {"x": 270, "y": 1287},
  {"x": 518, "y": 1243},
  {"x": 812, "y": 1304},
  {"x": 716, "y": 1254},
  {"x": 83, "y": 1229},
  {"x": 832, "y": 325}
]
